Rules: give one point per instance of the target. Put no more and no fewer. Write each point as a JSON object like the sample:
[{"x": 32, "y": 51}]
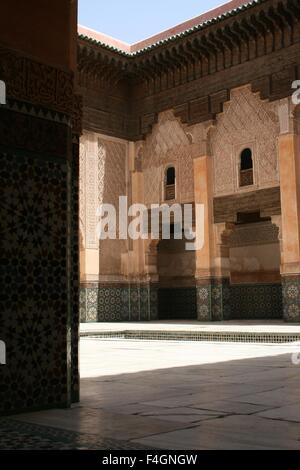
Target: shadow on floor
[{"x": 244, "y": 404}]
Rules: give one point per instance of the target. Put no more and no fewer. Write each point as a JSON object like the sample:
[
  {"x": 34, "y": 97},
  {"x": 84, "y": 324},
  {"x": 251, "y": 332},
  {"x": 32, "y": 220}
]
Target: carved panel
[
  {"x": 254, "y": 234},
  {"x": 82, "y": 194},
  {"x": 111, "y": 170},
  {"x": 168, "y": 144},
  {"x": 102, "y": 180},
  {"x": 267, "y": 201},
  {"x": 37, "y": 83},
  {"x": 89, "y": 190},
  {"x": 247, "y": 121},
  {"x": 111, "y": 184}
]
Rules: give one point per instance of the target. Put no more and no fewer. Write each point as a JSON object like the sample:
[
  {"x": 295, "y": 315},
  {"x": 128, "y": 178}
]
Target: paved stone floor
[{"x": 172, "y": 395}]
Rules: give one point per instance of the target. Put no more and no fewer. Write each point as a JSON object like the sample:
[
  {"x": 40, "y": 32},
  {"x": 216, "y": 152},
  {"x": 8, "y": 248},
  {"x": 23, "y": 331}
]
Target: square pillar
[
  {"x": 212, "y": 261},
  {"x": 203, "y": 195},
  {"x": 289, "y": 155}
]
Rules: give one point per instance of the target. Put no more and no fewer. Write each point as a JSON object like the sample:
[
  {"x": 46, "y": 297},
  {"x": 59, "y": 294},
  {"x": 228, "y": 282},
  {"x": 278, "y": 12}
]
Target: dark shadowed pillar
[{"x": 39, "y": 128}]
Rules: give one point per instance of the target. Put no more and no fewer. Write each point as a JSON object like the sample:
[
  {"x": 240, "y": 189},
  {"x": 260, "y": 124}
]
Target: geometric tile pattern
[
  {"x": 291, "y": 298},
  {"x": 112, "y": 304},
  {"x": 74, "y": 256},
  {"x": 256, "y": 301},
  {"x": 221, "y": 295},
  {"x": 204, "y": 313},
  {"x": 218, "y": 300},
  {"x": 213, "y": 300},
  {"x": 118, "y": 303},
  {"x": 38, "y": 235},
  {"x": 34, "y": 309}
]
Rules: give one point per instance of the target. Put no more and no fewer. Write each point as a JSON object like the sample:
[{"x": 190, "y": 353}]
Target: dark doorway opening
[{"x": 177, "y": 291}]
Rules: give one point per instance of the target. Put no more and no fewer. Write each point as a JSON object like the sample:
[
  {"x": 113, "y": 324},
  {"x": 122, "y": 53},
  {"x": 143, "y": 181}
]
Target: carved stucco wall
[
  {"x": 254, "y": 234},
  {"x": 246, "y": 121},
  {"x": 88, "y": 191},
  {"x": 168, "y": 144},
  {"x": 103, "y": 176}
]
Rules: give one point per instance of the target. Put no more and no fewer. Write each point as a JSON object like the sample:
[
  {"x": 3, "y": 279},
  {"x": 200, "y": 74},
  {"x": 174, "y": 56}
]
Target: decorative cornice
[
  {"x": 251, "y": 31},
  {"x": 30, "y": 81},
  {"x": 193, "y": 73},
  {"x": 40, "y": 91},
  {"x": 169, "y": 39}
]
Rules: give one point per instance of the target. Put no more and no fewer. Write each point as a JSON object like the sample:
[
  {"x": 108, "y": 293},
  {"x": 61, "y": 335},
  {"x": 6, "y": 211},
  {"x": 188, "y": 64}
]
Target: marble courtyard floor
[{"x": 172, "y": 395}]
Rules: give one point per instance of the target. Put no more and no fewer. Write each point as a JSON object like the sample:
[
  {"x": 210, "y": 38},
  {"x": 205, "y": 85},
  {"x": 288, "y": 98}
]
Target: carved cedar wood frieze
[
  {"x": 33, "y": 82},
  {"x": 193, "y": 72}
]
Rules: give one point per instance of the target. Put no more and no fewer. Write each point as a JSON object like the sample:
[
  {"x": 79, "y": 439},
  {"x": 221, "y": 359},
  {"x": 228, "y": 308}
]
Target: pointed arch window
[{"x": 246, "y": 168}]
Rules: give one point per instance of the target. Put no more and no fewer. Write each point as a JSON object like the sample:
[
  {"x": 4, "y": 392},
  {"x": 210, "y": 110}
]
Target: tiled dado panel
[
  {"x": 75, "y": 272},
  {"x": 118, "y": 303},
  {"x": 220, "y": 298},
  {"x": 213, "y": 300},
  {"x": 35, "y": 314},
  {"x": 256, "y": 301},
  {"x": 104, "y": 304},
  {"x": 291, "y": 298},
  {"x": 38, "y": 235},
  {"x": 177, "y": 303}
]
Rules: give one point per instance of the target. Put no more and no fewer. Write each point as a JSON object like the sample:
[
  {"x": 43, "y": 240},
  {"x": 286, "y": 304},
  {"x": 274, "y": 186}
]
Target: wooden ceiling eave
[
  {"x": 209, "y": 44},
  {"x": 293, "y": 8},
  {"x": 249, "y": 29},
  {"x": 100, "y": 65}
]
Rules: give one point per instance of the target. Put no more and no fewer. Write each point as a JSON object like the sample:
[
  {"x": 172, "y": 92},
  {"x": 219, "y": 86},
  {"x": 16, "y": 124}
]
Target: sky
[{"x": 134, "y": 20}]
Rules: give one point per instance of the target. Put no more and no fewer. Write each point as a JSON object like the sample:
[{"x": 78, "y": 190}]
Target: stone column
[
  {"x": 289, "y": 155},
  {"x": 203, "y": 274},
  {"x": 136, "y": 261}
]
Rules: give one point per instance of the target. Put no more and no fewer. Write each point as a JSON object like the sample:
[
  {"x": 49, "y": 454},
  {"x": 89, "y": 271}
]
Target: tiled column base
[
  {"x": 213, "y": 300},
  {"x": 153, "y": 302},
  {"x": 221, "y": 309},
  {"x": 117, "y": 303},
  {"x": 143, "y": 302},
  {"x": 291, "y": 298}
]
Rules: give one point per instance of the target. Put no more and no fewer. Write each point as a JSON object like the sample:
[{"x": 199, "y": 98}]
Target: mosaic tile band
[
  {"x": 291, "y": 298},
  {"x": 214, "y": 300},
  {"x": 116, "y": 304}
]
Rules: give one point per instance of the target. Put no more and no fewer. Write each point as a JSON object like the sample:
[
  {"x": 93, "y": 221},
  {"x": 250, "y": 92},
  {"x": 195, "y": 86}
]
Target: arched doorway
[{"x": 176, "y": 272}]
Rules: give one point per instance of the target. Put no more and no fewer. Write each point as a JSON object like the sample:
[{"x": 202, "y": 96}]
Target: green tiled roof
[{"x": 170, "y": 39}]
